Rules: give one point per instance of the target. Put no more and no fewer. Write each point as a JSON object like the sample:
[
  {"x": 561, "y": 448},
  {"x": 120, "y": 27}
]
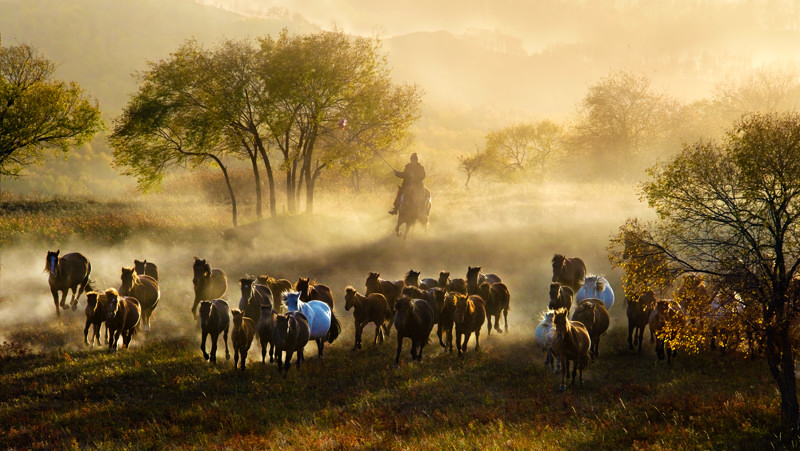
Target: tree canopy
[{"x": 38, "y": 113}]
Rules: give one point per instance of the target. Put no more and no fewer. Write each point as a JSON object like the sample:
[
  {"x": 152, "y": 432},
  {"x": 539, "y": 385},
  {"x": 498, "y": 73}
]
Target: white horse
[
  {"x": 322, "y": 323},
  {"x": 596, "y": 287}
]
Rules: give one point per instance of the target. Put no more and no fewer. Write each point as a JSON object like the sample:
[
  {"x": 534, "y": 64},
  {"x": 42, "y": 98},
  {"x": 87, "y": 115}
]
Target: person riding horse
[{"x": 413, "y": 175}]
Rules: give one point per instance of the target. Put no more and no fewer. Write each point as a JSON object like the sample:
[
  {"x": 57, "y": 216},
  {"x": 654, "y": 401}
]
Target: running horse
[
  {"x": 415, "y": 208},
  {"x": 68, "y": 272}
]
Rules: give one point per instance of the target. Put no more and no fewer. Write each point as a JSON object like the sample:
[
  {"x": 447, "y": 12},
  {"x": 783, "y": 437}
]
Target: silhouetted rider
[{"x": 413, "y": 175}]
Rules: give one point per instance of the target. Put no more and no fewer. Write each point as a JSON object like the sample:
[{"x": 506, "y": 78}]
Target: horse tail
[
  {"x": 335, "y": 329},
  {"x": 87, "y": 283}
]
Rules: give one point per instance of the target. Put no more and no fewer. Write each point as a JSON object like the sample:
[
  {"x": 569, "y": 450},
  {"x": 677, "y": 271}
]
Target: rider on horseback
[{"x": 413, "y": 175}]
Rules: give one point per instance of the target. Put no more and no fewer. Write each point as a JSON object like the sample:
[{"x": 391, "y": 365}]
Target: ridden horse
[
  {"x": 277, "y": 287},
  {"x": 122, "y": 317},
  {"x": 266, "y": 322},
  {"x": 568, "y": 271},
  {"x": 209, "y": 283},
  {"x": 314, "y": 291},
  {"x": 241, "y": 336},
  {"x": 146, "y": 268},
  {"x": 443, "y": 281},
  {"x": 390, "y": 290},
  {"x": 469, "y": 317},
  {"x": 545, "y": 333},
  {"x": 496, "y": 301},
  {"x": 143, "y": 288},
  {"x": 290, "y": 334},
  {"x": 638, "y": 312},
  {"x": 664, "y": 311},
  {"x": 447, "y": 321},
  {"x": 571, "y": 344},
  {"x": 254, "y": 295},
  {"x": 215, "y": 318},
  {"x": 68, "y": 272},
  {"x": 596, "y": 287},
  {"x": 475, "y": 278},
  {"x": 96, "y": 307},
  {"x": 322, "y": 323},
  {"x": 560, "y": 296},
  {"x": 594, "y": 316},
  {"x": 412, "y": 319},
  {"x": 368, "y": 309},
  {"x": 415, "y": 208}
]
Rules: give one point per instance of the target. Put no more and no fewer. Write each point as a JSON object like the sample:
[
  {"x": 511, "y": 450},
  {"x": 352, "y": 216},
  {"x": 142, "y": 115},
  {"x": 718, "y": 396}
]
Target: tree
[
  {"x": 524, "y": 151},
  {"x": 38, "y": 113},
  {"x": 767, "y": 89},
  {"x": 471, "y": 164},
  {"x": 729, "y": 211}
]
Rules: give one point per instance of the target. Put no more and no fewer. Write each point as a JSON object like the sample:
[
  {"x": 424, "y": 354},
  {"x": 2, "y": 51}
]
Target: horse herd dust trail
[{"x": 513, "y": 234}]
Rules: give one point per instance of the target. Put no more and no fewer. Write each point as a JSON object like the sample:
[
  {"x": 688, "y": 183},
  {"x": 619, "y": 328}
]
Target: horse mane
[
  {"x": 111, "y": 292},
  {"x": 558, "y": 257}
]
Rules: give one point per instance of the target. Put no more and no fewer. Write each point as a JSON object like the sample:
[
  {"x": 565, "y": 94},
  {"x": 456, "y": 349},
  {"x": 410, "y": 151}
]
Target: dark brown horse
[
  {"x": 593, "y": 315},
  {"x": 143, "y": 288},
  {"x": 475, "y": 278},
  {"x": 209, "y": 283},
  {"x": 638, "y": 312},
  {"x": 412, "y": 319},
  {"x": 415, "y": 208},
  {"x": 568, "y": 271},
  {"x": 241, "y": 336},
  {"x": 254, "y": 295},
  {"x": 266, "y": 322},
  {"x": 146, "y": 268},
  {"x": 96, "y": 306},
  {"x": 215, "y": 318},
  {"x": 571, "y": 344},
  {"x": 368, "y": 309},
  {"x": 469, "y": 317},
  {"x": 314, "y": 292},
  {"x": 560, "y": 297},
  {"x": 122, "y": 317},
  {"x": 390, "y": 290},
  {"x": 69, "y": 272},
  {"x": 277, "y": 287},
  {"x": 497, "y": 300},
  {"x": 411, "y": 279},
  {"x": 664, "y": 311},
  {"x": 290, "y": 335},
  {"x": 447, "y": 321}
]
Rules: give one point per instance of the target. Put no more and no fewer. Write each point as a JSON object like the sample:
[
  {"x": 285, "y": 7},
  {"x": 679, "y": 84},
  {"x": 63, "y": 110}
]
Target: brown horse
[
  {"x": 415, "y": 208},
  {"x": 568, "y": 271},
  {"x": 412, "y": 319},
  {"x": 146, "y": 268},
  {"x": 593, "y": 315},
  {"x": 277, "y": 287},
  {"x": 290, "y": 335},
  {"x": 143, "y": 288},
  {"x": 96, "y": 306},
  {"x": 411, "y": 279},
  {"x": 447, "y": 321},
  {"x": 122, "y": 317},
  {"x": 390, "y": 290},
  {"x": 571, "y": 344},
  {"x": 241, "y": 336},
  {"x": 215, "y": 318},
  {"x": 314, "y": 292},
  {"x": 69, "y": 272},
  {"x": 638, "y": 312},
  {"x": 253, "y": 297},
  {"x": 664, "y": 311},
  {"x": 368, "y": 309},
  {"x": 266, "y": 322},
  {"x": 469, "y": 317},
  {"x": 497, "y": 299},
  {"x": 209, "y": 283},
  {"x": 560, "y": 297},
  {"x": 475, "y": 278}
]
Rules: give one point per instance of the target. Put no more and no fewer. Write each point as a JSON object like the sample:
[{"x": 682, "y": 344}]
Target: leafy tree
[
  {"x": 729, "y": 211},
  {"x": 768, "y": 89},
  {"x": 38, "y": 113},
  {"x": 471, "y": 164}
]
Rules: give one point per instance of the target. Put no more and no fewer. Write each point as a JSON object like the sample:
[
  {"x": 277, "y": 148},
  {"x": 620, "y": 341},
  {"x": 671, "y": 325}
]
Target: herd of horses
[{"x": 285, "y": 316}]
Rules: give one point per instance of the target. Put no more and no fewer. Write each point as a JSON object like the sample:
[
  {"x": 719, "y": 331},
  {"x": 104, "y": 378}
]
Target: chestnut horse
[
  {"x": 593, "y": 315},
  {"x": 209, "y": 283},
  {"x": 68, "y": 272},
  {"x": 560, "y": 296},
  {"x": 568, "y": 271},
  {"x": 412, "y": 319},
  {"x": 215, "y": 318},
  {"x": 469, "y": 317},
  {"x": 571, "y": 344},
  {"x": 390, "y": 290},
  {"x": 146, "y": 268},
  {"x": 290, "y": 335},
  {"x": 475, "y": 278},
  {"x": 368, "y": 309},
  {"x": 122, "y": 317},
  {"x": 241, "y": 336},
  {"x": 96, "y": 306},
  {"x": 143, "y": 288},
  {"x": 638, "y": 312},
  {"x": 446, "y": 320},
  {"x": 314, "y": 292}
]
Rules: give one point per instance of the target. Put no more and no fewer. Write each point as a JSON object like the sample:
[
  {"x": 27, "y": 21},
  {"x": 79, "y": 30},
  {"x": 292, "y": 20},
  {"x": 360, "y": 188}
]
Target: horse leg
[
  {"x": 378, "y": 334},
  {"x": 320, "y": 346},
  {"x": 359, "y": 331},
  {"x": 279, "y": 359},
  {"x": 478, "y": 339},
  {"x": 399, "y": 348},
  {"x": 213, "y": 357},
  {"x": 489, "y": 326},
  {"x": 86, "y": 332},
  {"x": 439, "y": 334},
  {"x": 564, "y": 371},
  {"x": 203, "y": 345},
  {"x": 55, "y": 301},
  {"x": 225, "y": 340},
  {"x": 497, "y": 324},
  {"x": 263, "y": 352},
  {"x": 64, "y": 298},
  {"x": 505, "y": 319},
  {"x": 631, "y": 334},
  {"x": 288, "y": 362},
  {"x": 300, "y": 357},
  {"x": 235, "y": 357}
]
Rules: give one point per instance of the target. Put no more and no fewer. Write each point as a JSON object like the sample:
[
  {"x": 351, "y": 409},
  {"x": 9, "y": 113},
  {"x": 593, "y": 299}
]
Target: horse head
[
  {"x": 205, "y": 313},
  {"x": 292, "y": 300},
  {"x": 247, "y": 291},
  {"x": 113, "y": 304},
  {"x": 349, "y": 298},
  {"x": 91, "y": 300},
  {"x": 238, "y": 316},
  {"x": 51, "y": 264},
  {"x": 561, "y": 322},
  {"x": 139, "y": 266},
  {"x": 473, "y": 273},
  {"x": 559, "y": 265},
  {"x": 461, "y": 307},
  {"x": 129, "y": 277},
  {"x": 302, "y": 285},
  {"x": 201, "y": 270},
  {"x": 412, "y": 277}
]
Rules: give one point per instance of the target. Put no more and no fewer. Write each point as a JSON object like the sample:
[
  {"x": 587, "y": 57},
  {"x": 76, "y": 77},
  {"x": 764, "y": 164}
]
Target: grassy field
[{"x": 160, "y": 393}]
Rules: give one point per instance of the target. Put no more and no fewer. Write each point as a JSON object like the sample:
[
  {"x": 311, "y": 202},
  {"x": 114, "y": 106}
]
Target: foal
[
  {"x": 367, "y": 309},
  {"x": 241, "y": 337},
  {"x": 571, "y": 343}
]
